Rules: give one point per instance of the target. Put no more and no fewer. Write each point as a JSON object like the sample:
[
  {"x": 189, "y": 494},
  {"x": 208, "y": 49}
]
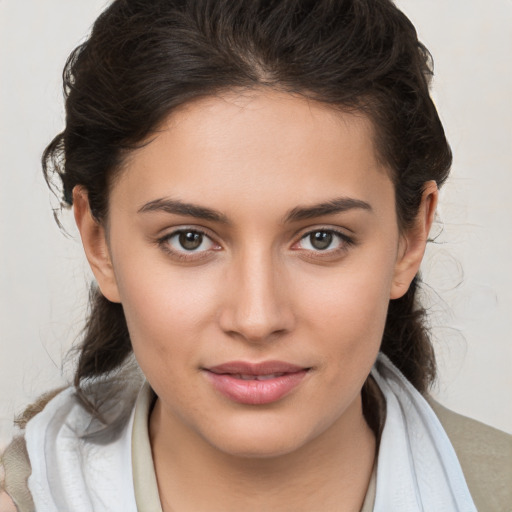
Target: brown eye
[
  {"x": 321, "y": 240},
  {"x": 327, "y": 241},
  {"x": 190, "y": 240}
]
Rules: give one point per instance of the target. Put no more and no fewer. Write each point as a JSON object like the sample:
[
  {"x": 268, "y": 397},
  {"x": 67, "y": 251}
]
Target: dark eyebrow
[
  {"x": 180, "y": 208},
  {"x": 339, "y": 205},
  {"x": 177, "y": 207}
]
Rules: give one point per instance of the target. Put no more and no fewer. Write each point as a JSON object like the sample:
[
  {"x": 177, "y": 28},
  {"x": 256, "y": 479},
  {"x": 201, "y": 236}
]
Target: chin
[
  {"x": 263, "y": 439},
  {"x": 263, "y": 448}
]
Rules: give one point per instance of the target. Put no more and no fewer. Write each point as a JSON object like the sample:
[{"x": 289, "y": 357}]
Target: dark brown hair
[{"x": 145, "y": 58}]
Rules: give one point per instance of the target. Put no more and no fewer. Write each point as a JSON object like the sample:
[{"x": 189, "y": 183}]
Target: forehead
[{"x": 256, "y": 145}]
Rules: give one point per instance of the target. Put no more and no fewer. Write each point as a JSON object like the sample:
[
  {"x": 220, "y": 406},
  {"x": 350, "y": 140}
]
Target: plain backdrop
[{"x": 43, "y": 275}]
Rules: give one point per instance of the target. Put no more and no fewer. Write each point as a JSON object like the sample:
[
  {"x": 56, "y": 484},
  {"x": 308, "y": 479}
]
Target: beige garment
[
  {"x": 144, "y": 478},
  {"x": 16, "y": 467},
  {"x": 485, "y": 455}
]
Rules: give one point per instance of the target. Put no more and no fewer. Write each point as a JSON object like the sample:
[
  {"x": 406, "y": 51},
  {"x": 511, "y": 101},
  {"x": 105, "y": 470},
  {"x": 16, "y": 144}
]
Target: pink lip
[{"x": 226, "y": 378}]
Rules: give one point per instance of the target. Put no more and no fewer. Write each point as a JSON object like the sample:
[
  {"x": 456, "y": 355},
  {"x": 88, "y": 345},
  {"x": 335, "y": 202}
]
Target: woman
[{"x": 254, "y": 184}]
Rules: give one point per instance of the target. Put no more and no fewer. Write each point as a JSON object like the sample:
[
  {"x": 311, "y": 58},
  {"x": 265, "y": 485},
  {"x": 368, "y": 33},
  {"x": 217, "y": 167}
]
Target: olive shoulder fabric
[{"x": 485, "y": 454}]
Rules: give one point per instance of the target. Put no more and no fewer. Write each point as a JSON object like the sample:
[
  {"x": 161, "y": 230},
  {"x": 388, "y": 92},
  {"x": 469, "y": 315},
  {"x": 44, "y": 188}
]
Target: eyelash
[
  {"x": 184, "y": 255},
  {"x": 345, "y": 243}
]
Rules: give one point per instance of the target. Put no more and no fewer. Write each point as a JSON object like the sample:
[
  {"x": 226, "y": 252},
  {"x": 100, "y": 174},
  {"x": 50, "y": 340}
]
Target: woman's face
[{"x": 254, "y": 246}]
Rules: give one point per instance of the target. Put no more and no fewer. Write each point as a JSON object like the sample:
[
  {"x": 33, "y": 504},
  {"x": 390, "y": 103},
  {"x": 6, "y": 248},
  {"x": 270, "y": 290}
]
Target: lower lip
[{"x": 255, "y": 392}]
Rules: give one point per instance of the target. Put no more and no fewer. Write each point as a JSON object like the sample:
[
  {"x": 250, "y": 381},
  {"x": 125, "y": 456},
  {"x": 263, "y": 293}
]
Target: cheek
[
  {"x": 166, "y": 310},
  {"x": 346, "y": 311},
  {"x": 354, "y": 298}
]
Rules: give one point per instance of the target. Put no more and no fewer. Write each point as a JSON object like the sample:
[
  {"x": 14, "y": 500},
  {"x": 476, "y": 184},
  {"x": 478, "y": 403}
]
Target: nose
[{"x": 257, "y": 307}]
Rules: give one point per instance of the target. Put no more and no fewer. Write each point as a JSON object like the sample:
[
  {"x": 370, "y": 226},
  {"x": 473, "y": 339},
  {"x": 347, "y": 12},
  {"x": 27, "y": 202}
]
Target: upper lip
[{"x": 263, "y": 368}]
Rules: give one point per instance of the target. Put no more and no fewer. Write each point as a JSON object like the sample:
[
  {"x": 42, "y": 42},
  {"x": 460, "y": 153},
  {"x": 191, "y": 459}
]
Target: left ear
[{"x": 413, "y": 242}]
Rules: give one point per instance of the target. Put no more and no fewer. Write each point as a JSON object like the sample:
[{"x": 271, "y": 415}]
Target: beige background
[{"x": 43, "y": 275}]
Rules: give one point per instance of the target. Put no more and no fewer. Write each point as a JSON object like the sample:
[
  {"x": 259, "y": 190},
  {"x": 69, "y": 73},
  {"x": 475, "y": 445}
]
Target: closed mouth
[{"x": 256, "y": 383}]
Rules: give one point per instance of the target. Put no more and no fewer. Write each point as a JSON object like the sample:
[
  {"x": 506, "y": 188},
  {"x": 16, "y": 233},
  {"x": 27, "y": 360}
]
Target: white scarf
[
  {"x": 417, "y": 470},
  {"x": 71, "y": 473}
]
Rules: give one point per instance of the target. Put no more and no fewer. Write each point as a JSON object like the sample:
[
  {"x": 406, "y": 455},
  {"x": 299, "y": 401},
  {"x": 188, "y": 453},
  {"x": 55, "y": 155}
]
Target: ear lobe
[
  {"x": 95, "y": 244},
  {"x": 414, "y": 241}
]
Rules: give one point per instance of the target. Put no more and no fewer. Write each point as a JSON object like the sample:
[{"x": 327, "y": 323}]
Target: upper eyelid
[
  {"x": 345, "y": 241},
  {"x": 164, "y": 239},
  {"x": 336, "y": 230},
  {"x": 183, "y": 229}
]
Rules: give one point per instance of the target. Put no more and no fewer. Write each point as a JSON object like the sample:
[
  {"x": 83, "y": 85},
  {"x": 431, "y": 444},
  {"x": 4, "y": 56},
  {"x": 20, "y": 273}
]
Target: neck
[{"x": 331, "y": 472}]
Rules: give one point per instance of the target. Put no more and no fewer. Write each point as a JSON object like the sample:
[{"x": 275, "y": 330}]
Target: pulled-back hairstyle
[{"x": 145, "y": 58}]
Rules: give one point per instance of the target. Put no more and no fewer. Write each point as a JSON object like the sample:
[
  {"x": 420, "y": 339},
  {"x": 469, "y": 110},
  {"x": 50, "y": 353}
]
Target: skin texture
[
  {"x": 6, "y": 504},
  {"x": 256, "y": 289}
]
